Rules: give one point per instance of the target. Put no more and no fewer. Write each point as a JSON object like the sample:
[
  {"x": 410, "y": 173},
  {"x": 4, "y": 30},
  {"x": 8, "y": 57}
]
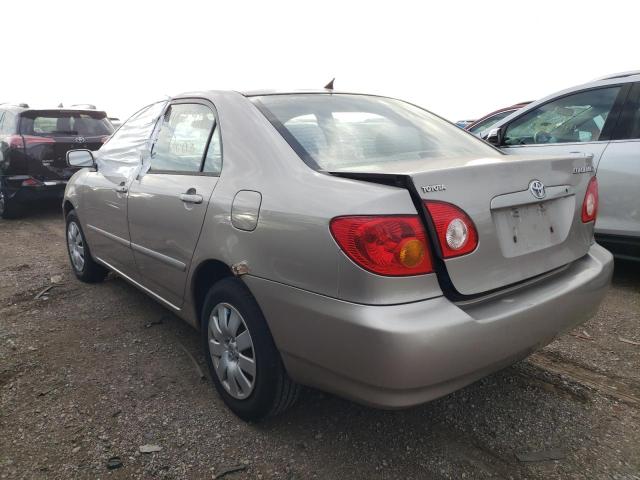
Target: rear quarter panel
[{"x": 292, "y": 243}]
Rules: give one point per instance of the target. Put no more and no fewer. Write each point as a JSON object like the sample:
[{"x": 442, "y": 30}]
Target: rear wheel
[
  {"x": 84, "y": 267},
  {"x": 9, "y": 208},
  {"x": 243, "y": 360}
]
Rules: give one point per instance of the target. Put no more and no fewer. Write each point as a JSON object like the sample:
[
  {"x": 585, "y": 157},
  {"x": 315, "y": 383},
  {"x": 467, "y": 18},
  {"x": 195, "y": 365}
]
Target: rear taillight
[
  {"x": 20, "y": 141},
  {"x": 31, "y": 182},
  {"x": 31, "y": 140},
  {"x": 590, "y": 202},
  {"x": 394, "y": 245},
  {"x": 457, "y": 235}
]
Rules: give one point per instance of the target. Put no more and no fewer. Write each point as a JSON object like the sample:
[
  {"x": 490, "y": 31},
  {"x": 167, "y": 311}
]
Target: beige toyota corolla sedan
[{"x": 353, "y": 243}]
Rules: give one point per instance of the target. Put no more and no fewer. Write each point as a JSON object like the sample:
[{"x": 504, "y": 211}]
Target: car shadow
[
  {"x": 40, "y": 211},
  {"x": 480, "y": 429},
  {"x": 626, "y": 273}
]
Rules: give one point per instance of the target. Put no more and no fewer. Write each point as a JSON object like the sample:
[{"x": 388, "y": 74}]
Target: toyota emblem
[
  {"x": 79, "y": 140},
  {"x": 536, "y": 187}
]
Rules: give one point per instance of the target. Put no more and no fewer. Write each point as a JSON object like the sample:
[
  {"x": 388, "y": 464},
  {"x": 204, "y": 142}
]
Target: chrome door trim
[
  {"x": 110, "y": 236},
  {"x": 172, "y": 262},
  {"x": 139, "y": 285}
]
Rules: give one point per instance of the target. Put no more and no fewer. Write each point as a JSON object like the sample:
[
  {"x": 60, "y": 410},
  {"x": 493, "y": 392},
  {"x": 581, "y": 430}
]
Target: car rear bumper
[
  {"x": 53, "y": 190},
  {"x": 396, "y": 356}
]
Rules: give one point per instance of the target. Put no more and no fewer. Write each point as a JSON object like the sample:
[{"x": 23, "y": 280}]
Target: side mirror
[
  {"x": 494, "y": 137},
  {"x": 80, "y": 158}
]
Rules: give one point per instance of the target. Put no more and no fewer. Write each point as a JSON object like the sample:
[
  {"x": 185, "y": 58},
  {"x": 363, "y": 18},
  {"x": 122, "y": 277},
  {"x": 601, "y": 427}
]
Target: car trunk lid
[{"x": 520, "y": 236}]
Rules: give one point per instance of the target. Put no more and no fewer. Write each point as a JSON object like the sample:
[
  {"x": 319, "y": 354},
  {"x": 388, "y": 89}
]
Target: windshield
[
  {"x": 332, "y": 131},
  {"x": 490, "y": 122},
  {"x": 51, "y": 123}
]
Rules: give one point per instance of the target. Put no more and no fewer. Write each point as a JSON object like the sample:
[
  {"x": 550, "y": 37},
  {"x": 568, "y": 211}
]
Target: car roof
[
  {"x": 21, "y": 108},
  {"x": 611, "y": 76},
  {"x": 259, "y": 93}
]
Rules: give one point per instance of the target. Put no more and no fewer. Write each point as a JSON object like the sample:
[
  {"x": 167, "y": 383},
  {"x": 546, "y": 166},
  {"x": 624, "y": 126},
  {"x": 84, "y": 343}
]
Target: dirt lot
[{"x": 89, "y": 372}]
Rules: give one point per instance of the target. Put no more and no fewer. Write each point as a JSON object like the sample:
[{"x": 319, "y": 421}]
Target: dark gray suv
[{"x": 33, "y": 149}]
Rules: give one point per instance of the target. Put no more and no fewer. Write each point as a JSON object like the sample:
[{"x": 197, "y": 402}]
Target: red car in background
[{"x": 492, "y": 118}]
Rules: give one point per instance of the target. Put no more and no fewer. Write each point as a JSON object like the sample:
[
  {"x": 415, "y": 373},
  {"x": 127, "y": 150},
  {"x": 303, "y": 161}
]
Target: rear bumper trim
[{"x": 396, "y": 356}]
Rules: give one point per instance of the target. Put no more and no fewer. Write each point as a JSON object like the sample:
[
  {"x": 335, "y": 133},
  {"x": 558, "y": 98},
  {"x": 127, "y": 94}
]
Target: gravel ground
[{"x": 90, "y": 372}]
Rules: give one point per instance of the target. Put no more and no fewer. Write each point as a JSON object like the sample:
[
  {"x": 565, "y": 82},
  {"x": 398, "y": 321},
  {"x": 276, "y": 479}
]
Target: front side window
[
  {"x": 579, "y": 117},
  {"x": 331, "y": 131},
  {"x": 182, "y": 138}
]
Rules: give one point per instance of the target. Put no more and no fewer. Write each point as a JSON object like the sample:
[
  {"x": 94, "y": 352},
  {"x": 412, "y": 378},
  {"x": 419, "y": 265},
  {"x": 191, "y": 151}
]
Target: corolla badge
[{"x": 536, "y": 187}]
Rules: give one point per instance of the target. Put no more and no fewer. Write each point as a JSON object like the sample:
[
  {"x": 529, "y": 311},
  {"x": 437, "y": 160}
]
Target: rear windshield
[
  {"x": 51, "y": 123},
  {"x": 331, "y": 131}
]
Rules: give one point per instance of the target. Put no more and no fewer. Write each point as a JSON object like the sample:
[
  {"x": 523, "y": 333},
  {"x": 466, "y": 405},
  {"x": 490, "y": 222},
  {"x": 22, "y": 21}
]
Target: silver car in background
[
  {"x": 599, "y": 120},
  {"x": 353, "y": 243}
]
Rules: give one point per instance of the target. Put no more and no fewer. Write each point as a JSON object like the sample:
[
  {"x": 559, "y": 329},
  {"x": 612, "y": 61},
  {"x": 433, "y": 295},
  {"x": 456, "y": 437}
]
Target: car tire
[
  {"x": 9, "y": 208},
  {"x": 229, "y": 353},
  {"x": 83, "y": 265}
]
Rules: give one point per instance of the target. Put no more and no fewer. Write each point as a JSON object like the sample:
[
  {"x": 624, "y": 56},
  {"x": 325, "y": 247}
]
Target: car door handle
[
  {"x": 191, "y": 198},
  {"x": 121, "y": 189}
]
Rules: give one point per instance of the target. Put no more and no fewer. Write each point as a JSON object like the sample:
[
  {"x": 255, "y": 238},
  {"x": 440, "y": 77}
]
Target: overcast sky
[{"x": 459, "y": 59}]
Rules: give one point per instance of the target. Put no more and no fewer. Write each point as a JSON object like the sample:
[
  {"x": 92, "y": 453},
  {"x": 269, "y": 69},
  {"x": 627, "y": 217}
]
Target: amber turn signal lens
[
  {"x": 393, "y": 245},
  {"x": 411, "y": 252}
]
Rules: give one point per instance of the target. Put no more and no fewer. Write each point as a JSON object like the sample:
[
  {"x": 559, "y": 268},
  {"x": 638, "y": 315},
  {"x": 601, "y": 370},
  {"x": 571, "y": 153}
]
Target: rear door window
[
  {"x": 183, "y": 138},
  {"x": 629, "y": 123},
  {"x": 213, "y": 160},
  {"x": 579, "y": 117}
]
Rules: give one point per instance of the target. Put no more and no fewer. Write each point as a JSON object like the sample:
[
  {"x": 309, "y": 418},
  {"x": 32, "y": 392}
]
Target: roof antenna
[
  {"x": 329, "y": 86},
  {"x": 60, "y": 105}
]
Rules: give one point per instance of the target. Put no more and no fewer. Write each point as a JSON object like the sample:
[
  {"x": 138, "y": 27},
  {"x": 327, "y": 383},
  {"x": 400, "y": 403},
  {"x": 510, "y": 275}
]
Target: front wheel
[
  {"x": 84, "y": 267},
  {"x": 243, "y": 360}
]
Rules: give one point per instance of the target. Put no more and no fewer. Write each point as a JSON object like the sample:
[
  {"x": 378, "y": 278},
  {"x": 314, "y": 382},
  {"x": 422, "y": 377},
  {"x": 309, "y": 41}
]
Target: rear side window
[
  {"x": 629, "y": 123},
  {"x": 182, "y": 138},
  {"x": 331, "y": 131},
  {"x": 65, "y": 123},
  {"x": 213, "y": 160},
  {"x": 579, "y": 117}
]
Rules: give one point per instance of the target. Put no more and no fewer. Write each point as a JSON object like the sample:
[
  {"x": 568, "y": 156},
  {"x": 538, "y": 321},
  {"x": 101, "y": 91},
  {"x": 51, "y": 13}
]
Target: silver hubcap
[
  {"x": 76, "y": 246},
  {"x": 231, "y": 350}
]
